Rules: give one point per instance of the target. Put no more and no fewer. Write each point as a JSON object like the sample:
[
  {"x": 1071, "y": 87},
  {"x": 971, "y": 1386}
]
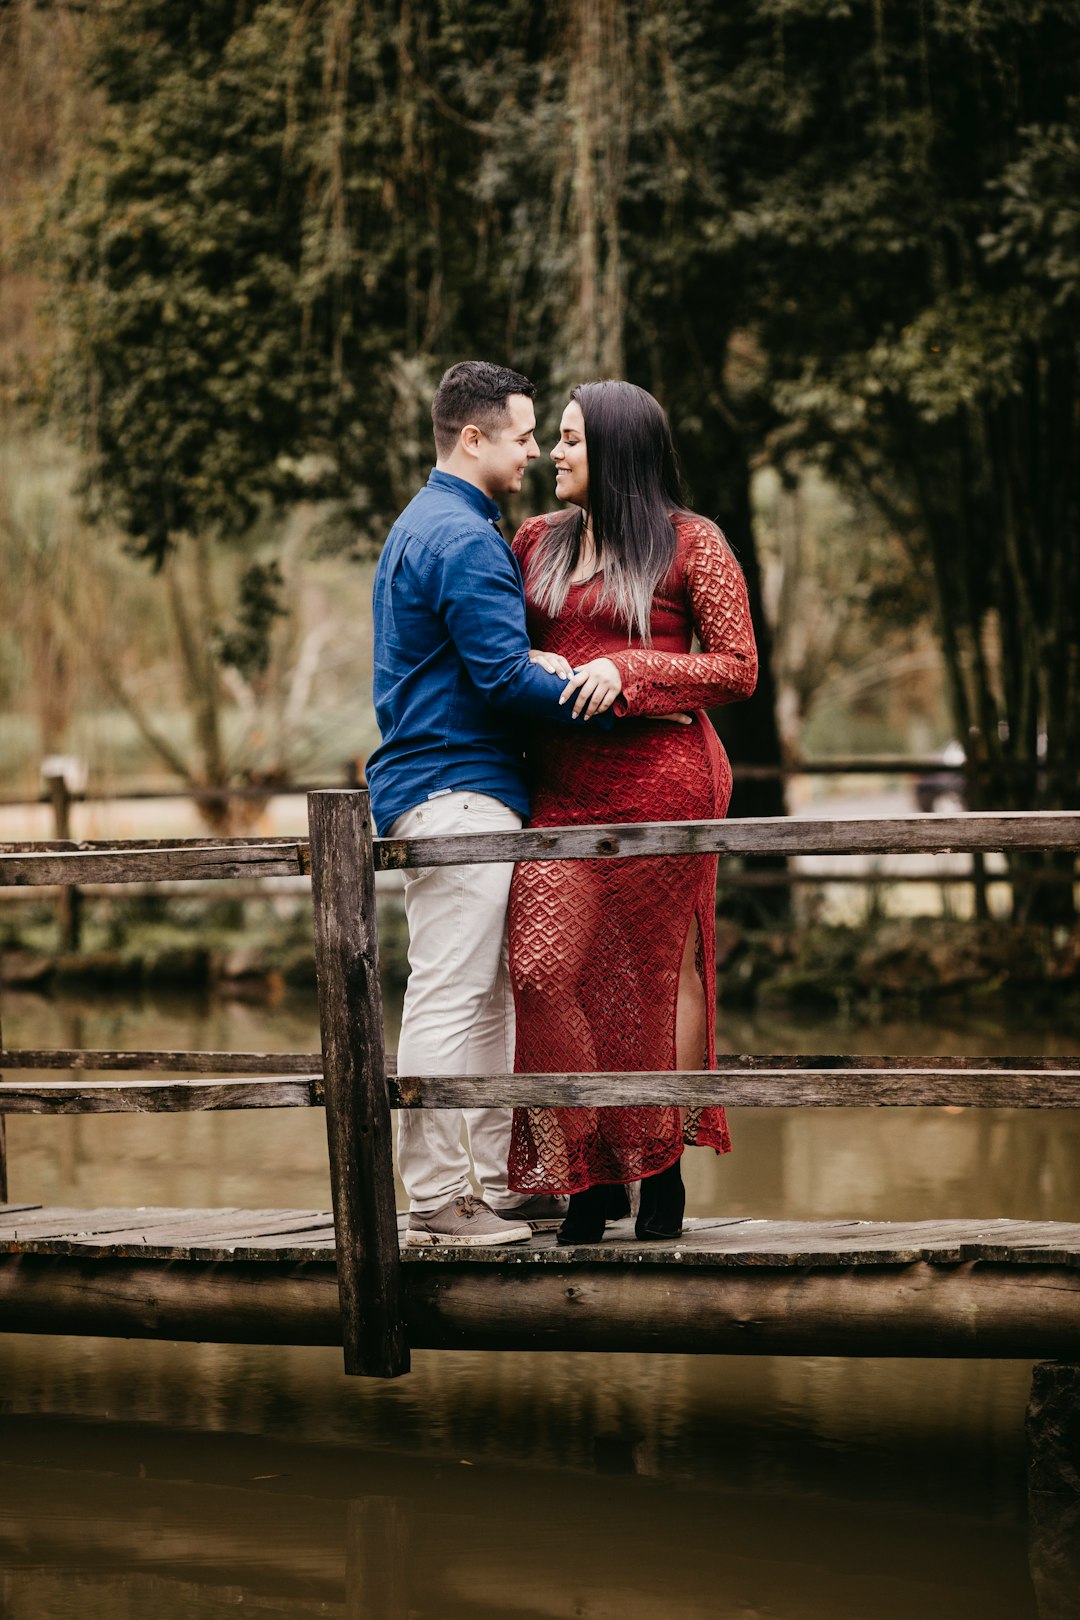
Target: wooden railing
[
  {"x": 55, "y": 791},
  {"x": 354, "y": 1078}
]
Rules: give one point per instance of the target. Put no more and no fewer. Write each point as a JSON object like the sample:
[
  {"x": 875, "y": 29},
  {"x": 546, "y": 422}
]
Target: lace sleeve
[
  {"x": 726, "y": 667},
  {"x": 526, "y": 537}
]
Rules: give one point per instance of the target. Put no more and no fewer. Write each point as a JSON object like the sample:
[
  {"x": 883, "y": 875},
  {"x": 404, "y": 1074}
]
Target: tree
[
  {"x": 293, "y": 217},
  {"x": 911, "y": 215},
  {"x": 605, "y": 170},
  {"x": 207, "y": 245}
]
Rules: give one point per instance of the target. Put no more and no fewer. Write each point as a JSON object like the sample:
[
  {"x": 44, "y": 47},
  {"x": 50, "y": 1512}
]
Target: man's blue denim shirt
[{"x": 453, "y": 680}]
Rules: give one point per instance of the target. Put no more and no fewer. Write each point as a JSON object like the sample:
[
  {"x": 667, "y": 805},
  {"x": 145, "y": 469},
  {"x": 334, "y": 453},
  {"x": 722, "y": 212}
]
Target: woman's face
[{"x": 571, "y": 459}]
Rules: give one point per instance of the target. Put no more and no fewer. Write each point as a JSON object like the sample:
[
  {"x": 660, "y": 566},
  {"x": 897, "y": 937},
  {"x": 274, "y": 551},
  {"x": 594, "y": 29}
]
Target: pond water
[{"x": 177, "y": 1480}]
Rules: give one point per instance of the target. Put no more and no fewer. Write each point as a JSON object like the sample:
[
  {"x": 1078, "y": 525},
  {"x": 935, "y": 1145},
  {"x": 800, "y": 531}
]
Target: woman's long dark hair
[{"x": 634, "y": 487}]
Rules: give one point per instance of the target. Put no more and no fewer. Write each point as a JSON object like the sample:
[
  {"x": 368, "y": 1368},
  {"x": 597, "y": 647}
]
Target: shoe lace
[{"x": 467, "y": 1206}]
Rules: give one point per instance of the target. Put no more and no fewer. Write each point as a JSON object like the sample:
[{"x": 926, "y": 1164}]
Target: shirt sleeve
[
  {"x": 475, "y": 587},
  {"x": 726, "y": 667}
]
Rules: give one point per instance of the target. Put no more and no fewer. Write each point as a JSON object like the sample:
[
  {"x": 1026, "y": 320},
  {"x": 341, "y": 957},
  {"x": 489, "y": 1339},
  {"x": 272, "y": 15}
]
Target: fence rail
[
  {"x": 128, "y": 860},
  {"x": 351, "y": 776},
  {"x": 860, "y": 1083},
  {"x": 932, "y": 771}
]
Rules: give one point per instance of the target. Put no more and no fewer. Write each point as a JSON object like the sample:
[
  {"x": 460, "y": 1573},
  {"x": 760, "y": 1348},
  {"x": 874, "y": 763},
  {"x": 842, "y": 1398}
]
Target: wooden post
[
  {"x": 354, "y": 1069},
  {"x": 1053, "y": 1437},
  {"x": 69, "y": 905},
  {"x": 3, "y": 1136},
  {"x": 978, "y": 878}
]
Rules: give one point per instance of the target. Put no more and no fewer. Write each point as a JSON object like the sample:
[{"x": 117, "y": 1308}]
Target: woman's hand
[
  {"x": 597, "y": 684},
  {"x": 554, "y": 663}
]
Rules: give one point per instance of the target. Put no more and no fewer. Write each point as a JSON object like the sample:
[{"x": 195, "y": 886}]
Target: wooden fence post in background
[
  {"x": 978, "y": 878},
  {"x": 354, "y": 1070},
  {"x": 69, "y": 905}
]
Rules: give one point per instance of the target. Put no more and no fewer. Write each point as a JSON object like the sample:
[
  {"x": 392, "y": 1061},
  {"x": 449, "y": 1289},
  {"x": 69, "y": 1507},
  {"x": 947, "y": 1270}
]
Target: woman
[{"x": 613, "y": 960}]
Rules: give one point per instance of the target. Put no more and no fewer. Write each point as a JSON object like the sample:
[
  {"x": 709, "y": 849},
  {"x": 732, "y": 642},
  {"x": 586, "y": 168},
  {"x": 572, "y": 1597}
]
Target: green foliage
[
  {"x": 262, "y": 254},
  {"x": 184, "y": 283},
  {"x": 912, "y": 217},
  {"x": 1037, "y": 232},
  {"x": 246, "y": 647}
]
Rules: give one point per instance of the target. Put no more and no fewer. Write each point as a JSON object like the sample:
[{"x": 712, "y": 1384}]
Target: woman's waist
[
  {"x": 633, "y": 772},
  {"x": 639, "y": 734}
]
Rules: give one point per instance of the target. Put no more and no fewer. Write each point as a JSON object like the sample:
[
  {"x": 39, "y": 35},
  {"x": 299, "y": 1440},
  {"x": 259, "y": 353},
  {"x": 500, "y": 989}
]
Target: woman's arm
[{"x": 656, "y": 683}]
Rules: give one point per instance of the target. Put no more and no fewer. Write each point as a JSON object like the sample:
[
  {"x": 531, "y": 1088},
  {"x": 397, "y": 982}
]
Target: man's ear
[{"x": 470, "y": 438}]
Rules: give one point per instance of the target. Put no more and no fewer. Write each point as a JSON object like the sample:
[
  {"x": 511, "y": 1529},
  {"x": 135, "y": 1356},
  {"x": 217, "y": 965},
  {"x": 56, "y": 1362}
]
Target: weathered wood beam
[
  {"x": 739, "y": 1082},
  {"x": 782, "y": 1087},
  {"x": 159, "y": 1096},
  {"x": 977, "y": 1310},
  {"x": 117, "y": 863},
  {"x": 765, "y": 835},
  {"x": 126, "y": 846},
  {"x": 191, "y": 859},
  {"x": 310, "y": 1063},
  {"x": 358, "y": 1121},
  {"x": 154, "y": 1062}
]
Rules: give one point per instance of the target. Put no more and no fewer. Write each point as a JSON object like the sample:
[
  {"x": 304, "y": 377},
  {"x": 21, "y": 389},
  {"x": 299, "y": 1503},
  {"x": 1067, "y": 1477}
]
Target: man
[{"x": 453, "y": 680}]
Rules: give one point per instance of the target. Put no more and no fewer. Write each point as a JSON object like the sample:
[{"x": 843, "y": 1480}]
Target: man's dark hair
[{"x": 474, "y": 391}]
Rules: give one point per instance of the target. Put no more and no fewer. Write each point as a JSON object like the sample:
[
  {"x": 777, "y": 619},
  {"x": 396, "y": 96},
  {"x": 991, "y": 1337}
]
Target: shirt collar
[{"x": 467, "y": 492}]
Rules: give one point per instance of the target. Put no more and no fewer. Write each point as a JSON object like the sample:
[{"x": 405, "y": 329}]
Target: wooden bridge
[{"x": 982, "y": 1287}]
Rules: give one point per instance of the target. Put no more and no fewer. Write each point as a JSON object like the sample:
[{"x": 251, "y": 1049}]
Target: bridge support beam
[
  {"x": 978, "y": 1310},
  {"x": 1053, "y": 1436}
]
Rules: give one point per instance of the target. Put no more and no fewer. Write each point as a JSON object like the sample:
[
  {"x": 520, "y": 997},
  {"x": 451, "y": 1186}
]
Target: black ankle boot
[
  {"x": 617, "y": 1207},
  {"x": 663, "y": 1200},
  {"x": 586, "y": 1217}
]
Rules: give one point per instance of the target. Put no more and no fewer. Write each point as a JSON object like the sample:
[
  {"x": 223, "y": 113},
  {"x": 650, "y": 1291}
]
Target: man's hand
[
  {"x": 554, "y": 663},
  {"x": 597, "y": 684}
]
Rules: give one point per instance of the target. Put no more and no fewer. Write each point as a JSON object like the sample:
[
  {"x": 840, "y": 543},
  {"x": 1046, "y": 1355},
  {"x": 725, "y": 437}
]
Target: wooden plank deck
[
  {"x": 215, "y": 1236},
  {"x": 1001, "y": 1288}
]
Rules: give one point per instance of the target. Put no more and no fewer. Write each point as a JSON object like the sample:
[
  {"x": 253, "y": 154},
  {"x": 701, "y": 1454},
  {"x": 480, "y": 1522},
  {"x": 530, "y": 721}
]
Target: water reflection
[
  {"x": 169, "y": 1524},
  {"x": 179, "y": 1479}
]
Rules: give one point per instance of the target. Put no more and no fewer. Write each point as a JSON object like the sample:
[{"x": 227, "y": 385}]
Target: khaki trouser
[{"x": 458, "y": 1016}]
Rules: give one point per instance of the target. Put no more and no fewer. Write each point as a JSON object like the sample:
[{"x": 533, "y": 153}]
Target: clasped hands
[{"x": 597, "y": 684}]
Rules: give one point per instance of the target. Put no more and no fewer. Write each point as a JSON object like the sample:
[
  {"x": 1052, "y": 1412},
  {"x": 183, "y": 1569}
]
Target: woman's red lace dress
[{"x": 596, "y": 946}]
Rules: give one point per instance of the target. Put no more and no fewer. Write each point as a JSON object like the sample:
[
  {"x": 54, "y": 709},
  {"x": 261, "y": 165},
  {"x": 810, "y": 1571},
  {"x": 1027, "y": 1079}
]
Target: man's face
[{"x": 503, "y": 456}]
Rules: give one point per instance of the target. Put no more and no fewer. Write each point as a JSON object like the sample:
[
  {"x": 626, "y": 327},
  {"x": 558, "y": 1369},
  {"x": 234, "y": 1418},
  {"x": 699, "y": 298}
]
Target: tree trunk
[
  {"x": 749, "y": 730},
  {"x": 194, "y": 623}
]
